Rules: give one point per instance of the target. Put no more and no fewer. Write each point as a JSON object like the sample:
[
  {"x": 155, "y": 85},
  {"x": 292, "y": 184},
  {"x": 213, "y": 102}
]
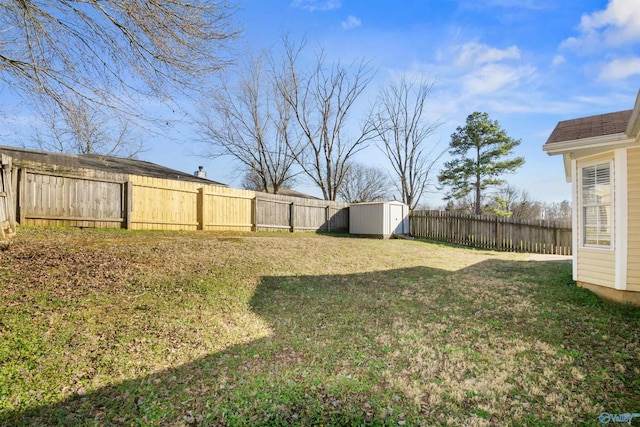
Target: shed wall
[
  {"x": 633, "y": 219},
  {"x": 367, "y": 219}
]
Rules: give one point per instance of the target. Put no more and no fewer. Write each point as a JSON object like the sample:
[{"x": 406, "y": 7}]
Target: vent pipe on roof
[{"x": 200, "y": 173}]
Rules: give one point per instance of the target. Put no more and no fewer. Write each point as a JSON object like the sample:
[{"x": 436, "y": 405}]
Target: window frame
[{"x": 611, "y": 205}]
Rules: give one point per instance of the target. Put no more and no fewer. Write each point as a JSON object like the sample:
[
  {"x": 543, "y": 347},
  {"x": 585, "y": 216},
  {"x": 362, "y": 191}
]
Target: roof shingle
[{"x": 587, "y": 127}]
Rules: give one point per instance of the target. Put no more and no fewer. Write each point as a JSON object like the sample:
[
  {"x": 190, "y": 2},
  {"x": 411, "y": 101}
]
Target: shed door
[{"x": 397, "y": 223}]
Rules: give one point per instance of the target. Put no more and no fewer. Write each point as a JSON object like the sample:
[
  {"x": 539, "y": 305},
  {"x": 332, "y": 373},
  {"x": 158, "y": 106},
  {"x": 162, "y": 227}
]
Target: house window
[{"x": 597, "y": 218}]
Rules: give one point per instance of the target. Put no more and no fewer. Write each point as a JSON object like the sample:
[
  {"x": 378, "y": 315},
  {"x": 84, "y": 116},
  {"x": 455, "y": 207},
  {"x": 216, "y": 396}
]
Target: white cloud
[
  {"x": 317, "y": 5},
  {"x": 557, "y": 60},
  {"x": 350, "y": 23},
  {"x": 474, "y": 53},
  {"x": 616, "y": 25},
  {"x": 620, "y": 69},
  {"x": 495, "y": 77}
]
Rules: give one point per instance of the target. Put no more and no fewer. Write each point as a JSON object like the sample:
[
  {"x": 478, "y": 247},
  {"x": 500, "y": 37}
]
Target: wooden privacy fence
[
  {"x": 161, "y": 204},
  {"x": 54, "y": 199},
  {"x": 146, "y": 203},
  {"x": 492, "y": 232},
  {"x": 276, "y": 212}
]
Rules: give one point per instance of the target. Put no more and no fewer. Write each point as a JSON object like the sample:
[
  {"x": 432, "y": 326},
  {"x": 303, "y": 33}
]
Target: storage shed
[{"x": 378, "y": 219}]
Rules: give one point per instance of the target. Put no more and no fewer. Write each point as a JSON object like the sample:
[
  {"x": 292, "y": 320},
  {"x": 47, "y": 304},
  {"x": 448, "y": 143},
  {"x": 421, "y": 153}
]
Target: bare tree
[
  {"x": 106, "y": 51},
  {"x": 83, "y": 128},
  {"x": 252, "y": 123},
  {"x": 557, "y": 210},
  {"x": 364, "y": 184},
  {"x": 322, "y": 99},
  {"x": 400, "y": 123},
  {"x": 463, "y": 205},
  {"x": 513, "y": 202},
  {"x": 251, "y": 181}
]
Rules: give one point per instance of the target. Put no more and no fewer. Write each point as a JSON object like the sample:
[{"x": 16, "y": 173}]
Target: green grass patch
[{"x": 101, "y": 327}]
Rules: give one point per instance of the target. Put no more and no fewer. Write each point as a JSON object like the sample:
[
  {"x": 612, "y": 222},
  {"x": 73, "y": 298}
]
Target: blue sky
[{"x": 528, "y": 63}]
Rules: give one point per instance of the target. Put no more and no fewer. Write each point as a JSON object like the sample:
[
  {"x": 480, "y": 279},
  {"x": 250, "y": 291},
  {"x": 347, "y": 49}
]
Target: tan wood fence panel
[
  {"x": 48, "y": 199},
  {"x": 162, "y": 204},
  {"x": 226, "y": 209},
  {"x": 491, "y": 232}
]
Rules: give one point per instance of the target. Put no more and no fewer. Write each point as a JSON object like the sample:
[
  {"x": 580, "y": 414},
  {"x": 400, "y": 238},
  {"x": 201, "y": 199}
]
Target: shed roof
[
  {"x": 104, "y": 163},
  {"x": 380, "y": 202},
  {"x": 592, "y": 126}
]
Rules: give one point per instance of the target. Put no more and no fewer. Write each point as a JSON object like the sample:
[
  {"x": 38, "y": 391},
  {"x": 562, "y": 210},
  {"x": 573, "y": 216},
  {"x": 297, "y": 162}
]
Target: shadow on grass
[{"x": 333, "y": 355}]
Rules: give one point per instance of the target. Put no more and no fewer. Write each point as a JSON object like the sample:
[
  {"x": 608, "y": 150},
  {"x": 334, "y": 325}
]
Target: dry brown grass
[{"x": 103, "y": 327}]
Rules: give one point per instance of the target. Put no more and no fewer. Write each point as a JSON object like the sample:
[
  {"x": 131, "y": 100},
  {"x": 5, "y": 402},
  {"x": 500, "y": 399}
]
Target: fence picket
[{"x": 505, "y": 234}]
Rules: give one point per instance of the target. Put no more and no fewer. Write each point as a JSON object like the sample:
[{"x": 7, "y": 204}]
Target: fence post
[
  {"x": 328, "y": 217},
  {"x": 128, "y": 204},
  {"x": 254, "y": 213},
  {"x": 498, "y": 233},
  {"x": 201, "y": 208},
  {"x": 22, "y": 188},
  {"x": 292, "y": 214}
]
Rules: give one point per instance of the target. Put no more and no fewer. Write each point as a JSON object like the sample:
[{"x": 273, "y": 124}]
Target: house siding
[
  {"x": 633, "y": 190},
  {"x": 595, "y": 266}
]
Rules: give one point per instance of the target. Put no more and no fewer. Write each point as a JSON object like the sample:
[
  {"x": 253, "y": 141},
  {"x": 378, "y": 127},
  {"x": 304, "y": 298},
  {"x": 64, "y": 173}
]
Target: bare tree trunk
[
  {"x": 253, "y": 123},
  {"x": 403, "y": 132},
  {"x": 321, "y": 100},
  {"x": 478, "y": 182}
]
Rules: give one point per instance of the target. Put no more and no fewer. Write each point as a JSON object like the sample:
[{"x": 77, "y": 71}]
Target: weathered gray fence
[
  {"x": 276, "y": 212},
  {"x": 492, "y": 232},
  {"x": 47, "y": 197}
]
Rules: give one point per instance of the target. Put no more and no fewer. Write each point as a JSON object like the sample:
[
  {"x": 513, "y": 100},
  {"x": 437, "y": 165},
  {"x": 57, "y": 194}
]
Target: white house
[{"x": 602, "y": 161}]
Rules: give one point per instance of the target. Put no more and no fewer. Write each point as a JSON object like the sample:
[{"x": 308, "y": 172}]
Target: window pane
[
  {"x": 590, "y": 236},
  {"x": 591, "y": 216},
  {"x": 596, "y": 204},
  {"x": 603, "y": 193},
  {"x": 589, "y": 176},
  {"x": 589, "y": 195},
  {"x": 603, "y": 175}
]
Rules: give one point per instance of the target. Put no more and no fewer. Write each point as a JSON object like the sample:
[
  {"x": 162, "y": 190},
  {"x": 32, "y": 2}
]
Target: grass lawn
[{"x": 166, "y": 328}]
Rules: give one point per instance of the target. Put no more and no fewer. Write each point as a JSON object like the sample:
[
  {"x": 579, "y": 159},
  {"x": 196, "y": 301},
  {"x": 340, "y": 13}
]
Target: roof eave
[
  {"x": 633, "y": 128},
  {"x": 604, "y": 142}
]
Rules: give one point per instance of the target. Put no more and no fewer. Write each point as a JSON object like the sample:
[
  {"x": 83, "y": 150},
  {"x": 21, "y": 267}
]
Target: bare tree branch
[
  {"x": 403, "y": 133},
  {"x": 85, "y": 129},
  {"x": 252, "y": 123},
  {"x": 364, "y": 184},
  {"x": 322, "y": 99},
  {"x": 104, "y": 52}
]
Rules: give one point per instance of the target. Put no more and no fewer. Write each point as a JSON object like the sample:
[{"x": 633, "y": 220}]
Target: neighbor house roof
[
  {"x": 293, "y": 193},
  {"x": 589, "y": 127},
  {"x": 104, "y": 163}
]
